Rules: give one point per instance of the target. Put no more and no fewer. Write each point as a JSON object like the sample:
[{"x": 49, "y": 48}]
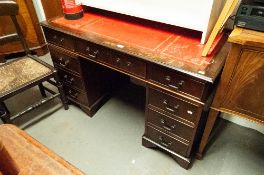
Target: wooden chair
[{"x": 26, "y": 72}]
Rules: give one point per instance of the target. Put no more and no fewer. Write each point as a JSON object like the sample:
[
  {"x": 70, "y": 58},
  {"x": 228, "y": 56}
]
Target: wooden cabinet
[
  {"x": 247, "y": 85},
  {"x": 28, "y": 21},
  {"x": 240, "y": 91}
]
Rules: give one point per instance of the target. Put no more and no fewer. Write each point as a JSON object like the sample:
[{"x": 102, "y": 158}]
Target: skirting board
[{"x": 243, "y": 122}]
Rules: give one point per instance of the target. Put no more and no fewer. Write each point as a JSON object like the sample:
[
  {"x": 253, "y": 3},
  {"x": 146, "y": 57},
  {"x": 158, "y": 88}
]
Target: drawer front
[
  {"x": 176, "y": 82},
  {"x": 117, "y": 60},
  {"x": 71, "y": 80},
  {"x": 65, "y": 60},
  {"x": 167, "y": 141},
  {"x": 169, "y": 124},
  {"x": 128, "y": 63},
  {"x": 173, "y": 105},
  {"x": 76, "y": 96},
  {"x": 60, "y": 39},
  {"x": 90, "y": 50}
]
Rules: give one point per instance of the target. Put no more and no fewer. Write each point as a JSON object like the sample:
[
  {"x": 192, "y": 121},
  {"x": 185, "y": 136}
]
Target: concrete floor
[{"x": 110, "y": 142}]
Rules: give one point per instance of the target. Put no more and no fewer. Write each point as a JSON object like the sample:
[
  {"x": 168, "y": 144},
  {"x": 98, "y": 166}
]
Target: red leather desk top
[{"x": 173, "y": 48}]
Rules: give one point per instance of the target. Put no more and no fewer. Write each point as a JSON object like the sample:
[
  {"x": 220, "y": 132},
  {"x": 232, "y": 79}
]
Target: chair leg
[
  {"x": 4, "y": 113},
  {"x": 2, "y": 59},
  {"x": 42, "y": 90},
  {"x": 62, "y": 93}
]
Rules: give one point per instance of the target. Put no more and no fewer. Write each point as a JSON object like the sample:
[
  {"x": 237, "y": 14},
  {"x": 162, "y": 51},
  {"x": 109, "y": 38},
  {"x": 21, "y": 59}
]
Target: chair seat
[{"x": 18, "y": 73}]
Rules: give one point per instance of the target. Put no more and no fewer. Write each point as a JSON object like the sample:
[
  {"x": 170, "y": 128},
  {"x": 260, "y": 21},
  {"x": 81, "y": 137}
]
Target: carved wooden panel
[{"x": 247, "y": 84}]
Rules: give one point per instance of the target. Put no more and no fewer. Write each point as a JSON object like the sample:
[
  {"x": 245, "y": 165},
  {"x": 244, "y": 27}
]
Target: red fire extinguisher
[{"x": 72, "y": 9}]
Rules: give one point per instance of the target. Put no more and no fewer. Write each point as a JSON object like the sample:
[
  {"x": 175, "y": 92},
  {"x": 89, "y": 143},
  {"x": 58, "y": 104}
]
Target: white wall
[
  {"x": 39, "y": 10},
  {"x": 243, "y": 122}
]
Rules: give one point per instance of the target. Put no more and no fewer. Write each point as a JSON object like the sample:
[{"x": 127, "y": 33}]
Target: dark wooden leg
[
  {"x": 2, "y": 59},
  {"x": 4, "y": 113},
  {"x": 86, "y": 110},
  {"x": 42, "y": 90},
  {"x": 147, "y": 143},
  {"x": 182, "y": 162},
  {"x": 207, "y": 130},
  {"x": 62, "y": 93},
  {"x": 42, "y": 50},
  {"x": 63, "y": 96}
]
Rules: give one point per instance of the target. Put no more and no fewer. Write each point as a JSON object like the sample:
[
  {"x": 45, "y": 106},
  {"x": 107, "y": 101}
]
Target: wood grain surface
[
  {"x": 247, "y": 37},
  {"x": 21, "y": 154},
  {"x": 28, "y": 22},
  {"x": 240, "y": 91},
  {"x": 52, "y": 8},
  {"x": 246, "y": 86}
]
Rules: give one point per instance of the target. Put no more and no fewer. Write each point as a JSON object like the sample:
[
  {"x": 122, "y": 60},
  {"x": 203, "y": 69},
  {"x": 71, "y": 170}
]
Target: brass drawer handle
[
  {"x": 64, "y": 63},
  {"x": 168, "y": 78},
  {"x": 165, "y": 126},
  {"x": 69, "y": 80},
  {"x": 90, "y": 53},
  {"x": 54, "y": 37},
  {"x": 178, "y": 86},
  {"x": 94, "y": 54},
  {"x": 169, "y": 108},
  {"x": 129, "y": 64},
  {"x": 72, "y": 94},
  {"x": 118, "y": 60},
  {"x": 87, "y": 49},
  {"x": 181, "y": 83},
  {"x": 164, "y": 143},
  {"x": 173, "y": 86},
  {"x": 62, "y": 40}
]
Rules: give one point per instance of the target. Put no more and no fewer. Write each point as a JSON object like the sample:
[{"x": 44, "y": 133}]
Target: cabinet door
[{"x": 246, "y": 90}]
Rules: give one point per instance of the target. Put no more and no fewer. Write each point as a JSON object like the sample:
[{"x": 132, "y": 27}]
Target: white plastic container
[{"x": 200, "y": 15}]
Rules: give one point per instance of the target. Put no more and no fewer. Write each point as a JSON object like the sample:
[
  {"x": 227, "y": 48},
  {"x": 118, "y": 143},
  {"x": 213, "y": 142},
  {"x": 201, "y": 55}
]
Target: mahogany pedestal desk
[
  {"x": 92, "y": 52},
  {"x": 241, "y": 89}
]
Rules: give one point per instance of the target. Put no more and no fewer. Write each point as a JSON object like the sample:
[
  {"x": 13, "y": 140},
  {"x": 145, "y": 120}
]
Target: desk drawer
[
  {"x": 65, "y": 60},
  {"x": 169, "y": 124},
  {"x": 174, "y": 105},
  {"x": 128, "y": 63},
  {"x": 167, "y": 141},
  {"x": 90, "y": 50},
  {"x": 76, "y": 95},
  {"x": 175, "y": 81},
  {"x": 117, "y": 60},
  {"x": 71, "y": 80},
  {"x": 59, "y": 39}
]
